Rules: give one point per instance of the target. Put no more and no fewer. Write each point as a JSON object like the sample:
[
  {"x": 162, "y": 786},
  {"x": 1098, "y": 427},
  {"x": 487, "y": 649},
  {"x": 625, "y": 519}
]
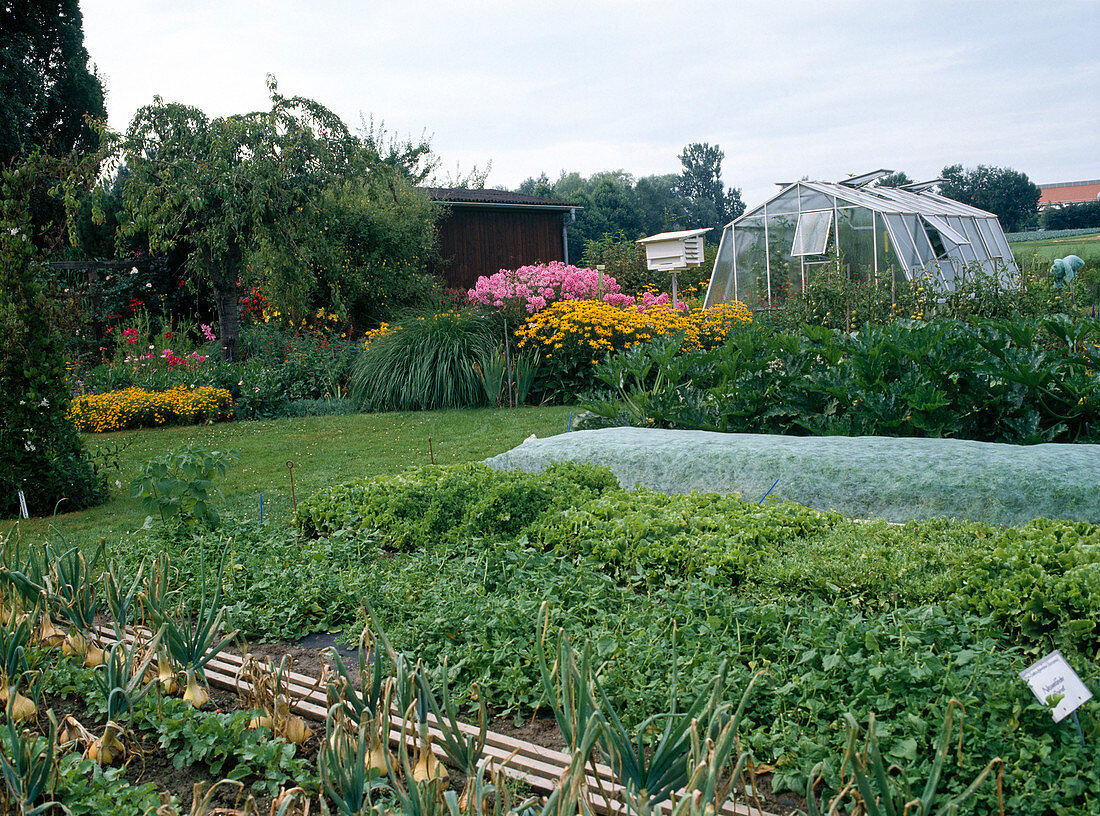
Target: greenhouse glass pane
[
  {"x": 924, "y": 247},
  {"x": 855, "y": 241},
  {"x": 885, "y": 257},
  {"x": 966, "y": 251},
  {"x": 970, "y": 227},
  {"x": 945, "y": 230},
  {"x": 813, "y": 200},
  {"x": 722, "y": 281},
  {"x": 987, "y": 235},
  {"x": 999, "y": 238},
  {"x": 811, "y": 236},
  {"x": 784, "y": 203},
  {"x": 902, "y": 244},
  {"x": 752, "y": 263}
]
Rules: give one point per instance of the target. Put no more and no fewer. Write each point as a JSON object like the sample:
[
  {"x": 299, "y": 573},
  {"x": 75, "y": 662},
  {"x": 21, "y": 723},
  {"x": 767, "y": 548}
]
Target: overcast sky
[{"x": 787, "y": 89}]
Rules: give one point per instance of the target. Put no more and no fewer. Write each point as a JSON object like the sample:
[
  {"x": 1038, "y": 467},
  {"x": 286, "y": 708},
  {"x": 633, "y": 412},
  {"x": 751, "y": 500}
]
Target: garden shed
[
  {"x": 877, "y": 233},
  {"x": 485, "y": 231}
]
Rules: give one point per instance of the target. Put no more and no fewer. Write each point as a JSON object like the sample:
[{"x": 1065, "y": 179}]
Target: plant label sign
[{"x": 1053, "y": 675}]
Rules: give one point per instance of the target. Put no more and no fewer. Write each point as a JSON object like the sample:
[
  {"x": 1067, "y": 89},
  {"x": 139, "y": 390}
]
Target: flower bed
[
  {"x": 139, "y": 408},
  {"x": 572, "y": 335}
]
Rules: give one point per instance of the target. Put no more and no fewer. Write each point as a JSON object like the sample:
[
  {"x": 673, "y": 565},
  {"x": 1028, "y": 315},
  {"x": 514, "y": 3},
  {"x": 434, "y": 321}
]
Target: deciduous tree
[
  {"x": 708, "y": 203},
  {"x": 219, "y": 186},
  {"x": 1007, "y": 193}
]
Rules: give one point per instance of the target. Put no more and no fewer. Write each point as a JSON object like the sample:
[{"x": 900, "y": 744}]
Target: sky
[{"x": 788, "y": 90}]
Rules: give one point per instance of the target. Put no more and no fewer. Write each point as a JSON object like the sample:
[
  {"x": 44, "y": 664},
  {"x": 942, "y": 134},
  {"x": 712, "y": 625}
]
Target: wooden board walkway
[{"x": 537, "y": 766}]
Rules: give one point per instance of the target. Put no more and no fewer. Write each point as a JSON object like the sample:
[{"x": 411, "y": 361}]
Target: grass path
[{"x": 325, "y": 451}]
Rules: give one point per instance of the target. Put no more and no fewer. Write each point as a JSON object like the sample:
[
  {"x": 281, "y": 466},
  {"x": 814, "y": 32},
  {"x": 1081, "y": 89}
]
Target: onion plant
[
  {"x": 68, "y": 584},
  {"x": 191, "y": 642},
  {"x": 345, "y": 765},
  {"x": 269, "y": 691},
  {"x": 30, "y": 588},
  {"x": 365, "y": 701},
  {"x": 652, "y": 773},
  {"x": 567, "y": 685},
  {"x": 121, "y": 597},
  {"x": 368, "y": 707},
  {"x": 121, "y": 683},
  {"x": 13, "y": 645},
  {"x": 27, "y": 765}
]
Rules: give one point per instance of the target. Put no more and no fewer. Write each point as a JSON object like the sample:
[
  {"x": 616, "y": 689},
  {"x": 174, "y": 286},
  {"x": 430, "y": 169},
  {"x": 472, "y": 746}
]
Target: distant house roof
[
  {"x": 1069, "y": 192},
  {"x": 495, "y": 198}
]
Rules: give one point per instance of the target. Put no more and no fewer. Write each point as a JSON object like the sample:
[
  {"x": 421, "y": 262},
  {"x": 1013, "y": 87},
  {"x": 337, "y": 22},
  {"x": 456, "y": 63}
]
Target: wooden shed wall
[{"x": 480, "y": 241}]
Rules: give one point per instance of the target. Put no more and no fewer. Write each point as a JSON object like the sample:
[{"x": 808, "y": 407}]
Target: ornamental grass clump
[
  {"x": 424, "y": 363},
  {"x": 138, "y": 408}
]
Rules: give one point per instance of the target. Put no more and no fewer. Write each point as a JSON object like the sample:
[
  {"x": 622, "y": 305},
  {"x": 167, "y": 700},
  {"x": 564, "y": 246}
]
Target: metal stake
[{"x": 293, "y": 498}]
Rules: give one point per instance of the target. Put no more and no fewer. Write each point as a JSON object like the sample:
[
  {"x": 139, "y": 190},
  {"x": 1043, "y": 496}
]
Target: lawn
[
  {"x": 324, "y": 450},
  {"x": 1048, "y": 249}
]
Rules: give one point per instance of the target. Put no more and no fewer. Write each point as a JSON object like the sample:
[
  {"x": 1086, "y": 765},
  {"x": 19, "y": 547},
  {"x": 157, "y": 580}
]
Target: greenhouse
[{"x": 873, "y": 233}]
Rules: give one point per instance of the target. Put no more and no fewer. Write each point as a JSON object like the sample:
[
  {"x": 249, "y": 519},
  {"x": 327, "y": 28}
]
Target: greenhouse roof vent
[
  {"x": 921, "y": 186},
  {"x": 865, "y": 179}
]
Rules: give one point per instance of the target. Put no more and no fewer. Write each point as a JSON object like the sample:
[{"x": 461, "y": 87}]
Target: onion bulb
[
  {"x": 93, "y": 656},
  {"x": 428, "y": 768},
  {"x": 49, "y": 635},
  {"x": 20, "y": 707},
  {"x": 108, "y": 749},
  {"x": 74, "y": 644},
  {"x": 72, "y": 732},
  {"x": 195, "y": 693},
  {"x": 167, "y": 676},
  {"x": 377, "y": 758},
  {"x": 295, "y": 730},
  {"x": 464, "y": 799}
]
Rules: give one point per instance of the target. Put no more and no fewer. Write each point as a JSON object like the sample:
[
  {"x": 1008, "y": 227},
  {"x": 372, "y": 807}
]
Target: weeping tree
[{"x": 218, "y": 187}]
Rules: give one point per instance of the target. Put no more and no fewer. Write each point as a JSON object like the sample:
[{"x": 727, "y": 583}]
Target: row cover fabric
[{"x": 862, "y": 477}]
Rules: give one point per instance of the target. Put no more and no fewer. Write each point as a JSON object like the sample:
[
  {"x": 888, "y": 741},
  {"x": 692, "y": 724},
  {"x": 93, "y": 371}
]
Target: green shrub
[
  {"x": 40, "y": 450},
  {"x": 425, "y": 363}
]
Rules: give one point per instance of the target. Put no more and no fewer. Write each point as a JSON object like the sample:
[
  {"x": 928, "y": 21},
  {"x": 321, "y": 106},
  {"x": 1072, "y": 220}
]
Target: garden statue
[{"x": 1064, "y": 269}]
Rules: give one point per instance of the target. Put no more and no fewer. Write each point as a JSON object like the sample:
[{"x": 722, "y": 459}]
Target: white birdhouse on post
[{"x": 674, "y": 252}]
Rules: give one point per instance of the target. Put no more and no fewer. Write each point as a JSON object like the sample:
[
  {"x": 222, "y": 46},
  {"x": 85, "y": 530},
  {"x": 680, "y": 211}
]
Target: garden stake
[
  {"x": 431, "y": 453},
  {"x": 569, "y": 424},
  {"x": 770, "y": 489},
  {"x": 261, "y": 508},
  {"x": 293, "y": 498},
  {"x": 1080, "y": 733}
]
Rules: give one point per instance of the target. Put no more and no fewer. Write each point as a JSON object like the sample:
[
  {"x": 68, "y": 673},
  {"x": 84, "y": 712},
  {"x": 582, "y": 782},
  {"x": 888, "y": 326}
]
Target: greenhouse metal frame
[{"x": 871, "y": 232}]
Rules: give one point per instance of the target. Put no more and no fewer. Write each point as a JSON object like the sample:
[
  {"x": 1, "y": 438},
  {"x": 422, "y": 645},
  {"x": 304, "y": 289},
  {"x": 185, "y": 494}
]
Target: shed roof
[{"x": 501, "y": 198}]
